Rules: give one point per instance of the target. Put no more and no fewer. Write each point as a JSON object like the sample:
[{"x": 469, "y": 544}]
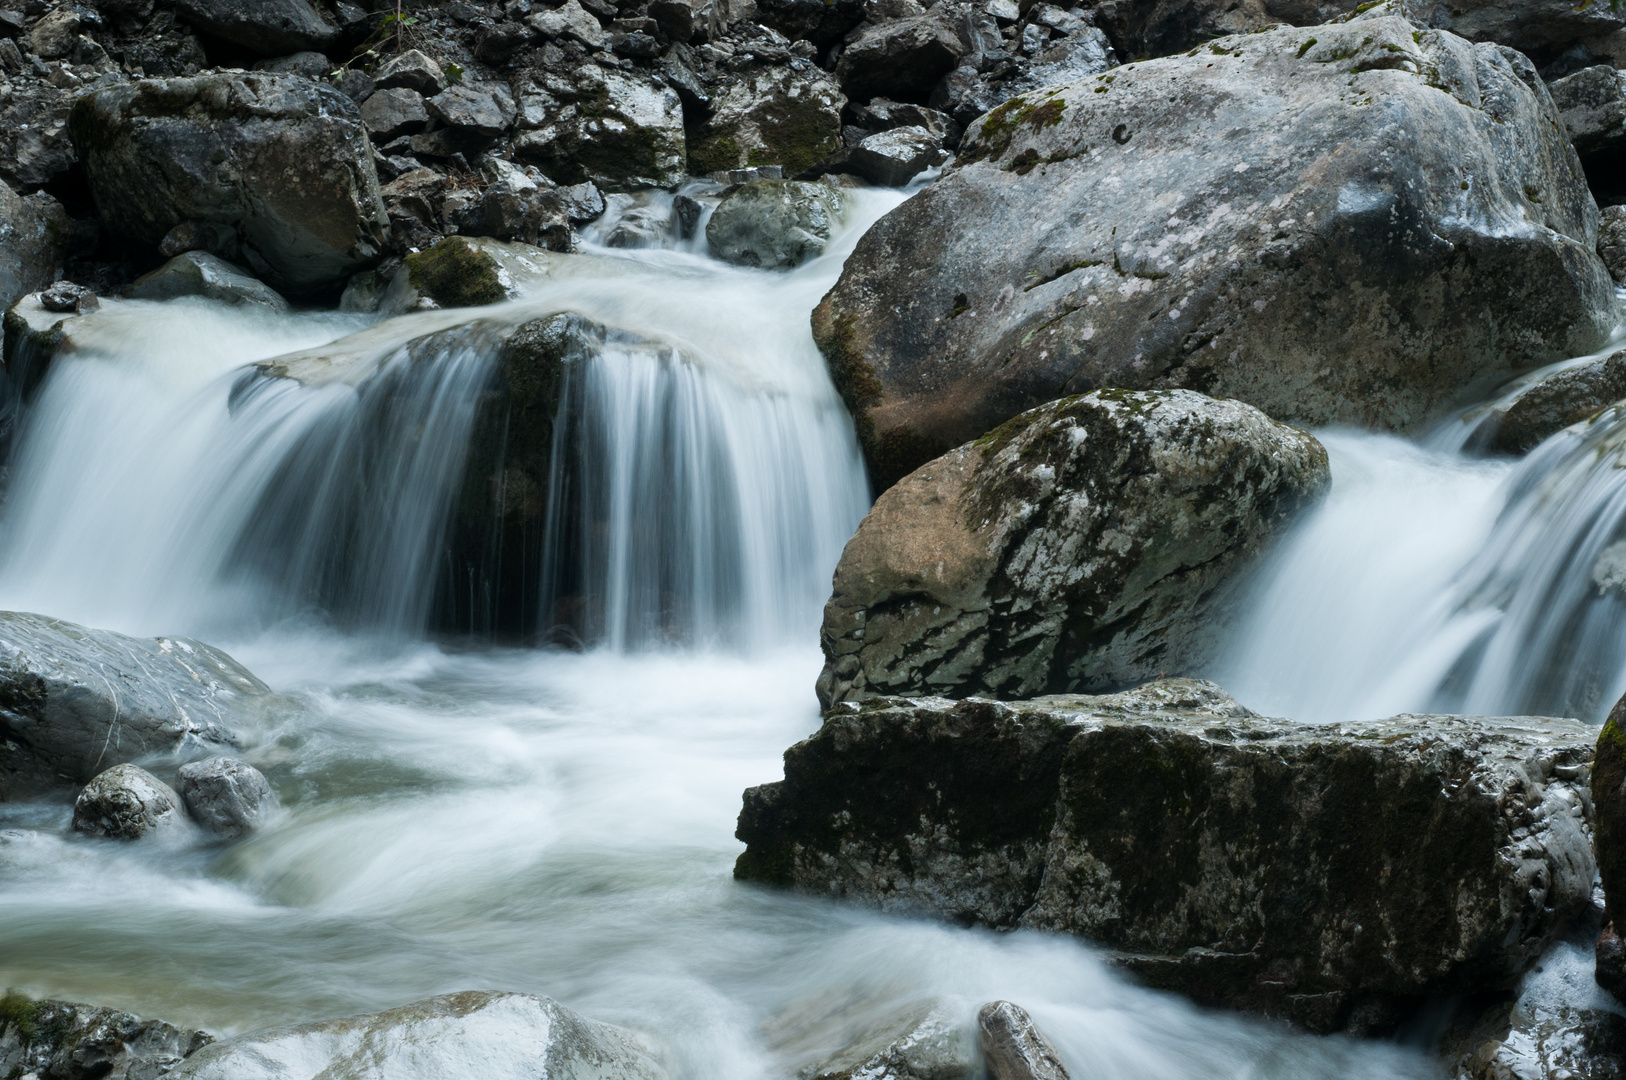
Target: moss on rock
[{"x": 454, "y": 273}]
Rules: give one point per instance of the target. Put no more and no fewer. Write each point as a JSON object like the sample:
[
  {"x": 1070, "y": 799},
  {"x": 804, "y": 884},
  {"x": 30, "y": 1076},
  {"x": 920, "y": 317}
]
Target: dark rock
[
  {"x": 65, "y": 296},
  {"x": 61, "y": 1040},
  {"x": 265, "y": 27},
  {"x": 883, "y": 115},
  {"x": 923, "y": 1040},
  {"x": 1540, "y": 29},
  {"x": 774, "y": 224},
  {"x": 639, "y": 46},
  {"x": 821, "y": 22},
  {"x": 283, "y": 161},
  {"x": 1013, "y": 1047},
  {"x": 312, "y": 65},
  {"x": 34, "y": 142},
  {"x": 1610, "y": 959},
  {"x": 495, "y": 45},
  {"x": 54, "y": 35},
  {"x": 213, "y": 237},
  {"x": 412, "y": 70},
  {"x": 1327, "y": 873},
  {"x": 788, "y": 114},
  {"x": 1316, "y": 307},
  {"x": 125, "y": 803},
  {"x": 901, "y": 59},
  {"x": 620, "y": 130},
  {"x": 227, "y": 796},
  {"x": 84, "y": 699},
  {"x": 1086, "y": 545},
  {"x": 198, "y": 273},
  {"x": 456, "y": 274},
  {"x": 389, "y": 114},
  {"x": 1552, "y": 404},
  {"x": 33, "y": 243},
  {"x": 480, "y": 110},
  {"x": 687, "y": 211},
  {"x": 1592, "y": 103},
  {"x": 1609, "y": 798},
  {"x": 354, "y": 84},
  {"x": 568, "y": 20},
  {"x": 896, "y": 156},
  {"x": 1567, "y": 1043},
  {"x": 412, "y": 201},
  {"x": 1141, "y": 30}
]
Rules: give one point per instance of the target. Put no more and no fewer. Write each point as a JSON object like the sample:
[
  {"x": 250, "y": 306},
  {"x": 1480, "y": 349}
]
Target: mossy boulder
[
  {"x": 769, "y": 114},
  {"x": 1609, "y": 795},
  {"x": 455, "y": 273},
  {"x": 618, "y": 130},
  {"x": 1086, "y": 545},
  {"x": 774, "y": 224},
  {"x": 63, "y": 1040}
]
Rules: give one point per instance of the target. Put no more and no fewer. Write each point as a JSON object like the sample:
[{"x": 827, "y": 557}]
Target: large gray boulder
[
  {"x": 617, "y": 129},
  {"x": 1086, "y": 545},
  {"x": 467, "y": 1036},
  {"x": 1330, "y": 873},
  {"x": 1393, "y": 222},
  {"x": 33, "y": 243},
  {"x": 82, "y": 700},
  {"x": 281, "y": 160},
  {"x": 263, "y": 27},
  {"x": 64, "y": 1040},
  {"x": 774, "y": 224},
  {"x": 1592, "y": 103},
  {"x": 126, "y": 803},
  {"x": 784, "y": 113}
]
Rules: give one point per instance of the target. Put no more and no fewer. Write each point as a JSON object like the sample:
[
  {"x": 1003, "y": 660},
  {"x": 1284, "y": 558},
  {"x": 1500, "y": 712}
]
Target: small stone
[
  {"x": 1013, "y": 1047},
  {"x": 227, "y": 796},
  {"x": 412, "y": 70},
  {"x": 893, "y": 158},
  {"x": 198, "y": 273},
  {"x": 392, "y": 113},
  {"x": 125, "y": 803},
  {"x": 354, "y": 84},
  {"x": 474, "y": 109},
  {"x": 66, "y": 296},
  {"x": 639, "y": 46}
]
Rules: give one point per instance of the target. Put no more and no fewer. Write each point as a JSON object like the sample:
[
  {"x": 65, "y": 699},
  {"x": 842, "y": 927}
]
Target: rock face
[
  {"x": 125, "y": 803},
  {"x": 1557, "y": 401},
  {"x": 774, "y": 224},
  {"x": 33, "y": 234},
  {"x": 1609, "y": 796},
  {"x": 1288, "y": 266},
  {"x": 266, "y": 27},
  {"x": 1085, "y": 545},
  {"x": 1592, "y": 103},
  {"x": 61, "y": 1040},
  {"x": 281, "y": 160},
  {"x": 1013, "y": 1047},
  {"x": 924, "y": 1040},
  {"x": 227, "y": 796},
  {"x": 83, "y": 699},
  {"x": 1326, "y": 873},
  {"x": 198, "y": 273},
  {"x": 1612, "y": 241},
  {"x": 1540, "y": 29},
  {"x": 453, "y": 1037},
  {"x": 894, "y": 157}
]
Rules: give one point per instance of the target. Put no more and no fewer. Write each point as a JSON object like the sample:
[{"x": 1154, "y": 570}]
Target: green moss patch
[{"x": 454, "y": 274}]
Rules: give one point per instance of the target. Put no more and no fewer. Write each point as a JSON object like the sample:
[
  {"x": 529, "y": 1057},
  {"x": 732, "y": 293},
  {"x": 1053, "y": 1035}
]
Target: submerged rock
[
  {"x": 62, "y": 1040},
  {"x": 198, "y": 273},
  {"x": 924, "y": 1040},
  {"x": 467, "y": 1036},
  {"x": 227, "y": 796},
  {"x": 1553, "y": 403},
  {"x": 1084, "y": 545},
  {"x": 774, "y": 224},
  {"x": 81, "y": 699},
  {"x": 1267, "y": 266},
  {"x": 1013, "y": 1047},
  {"x": 1330, "y": 873},
  {"x": 125, "y": 803}
]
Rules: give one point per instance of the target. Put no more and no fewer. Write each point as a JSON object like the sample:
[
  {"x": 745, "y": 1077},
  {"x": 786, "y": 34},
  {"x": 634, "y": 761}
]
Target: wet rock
[
  {"x": 54, "y": 35},
  {"x": 392, "y": 113},
  {"x": 1327, "y": 873},
  {"x": 895, "y": 157},
  {"x": 881, "y": 114},
  {"x": 34, "y": 142},
  {"x": 1609, "y": 797},
  {"x": 34, "y": 336},
  {"x": 1568, "y": 1043},
  {"x": 227, "y": 796},
  {"x": 1592, "y": 103},
  {"x": 1141, "y": 31},
  {"x": 84, "y": 699},
  {"x": 356, "y": 85},
  {"x": 1013, "y": 1047},
  {"x": 455, "y": 273},
  {"x": 1553, "y": 403},
  {"x": 64, "y": 297},
  {"x": 61, "y": 1040},
  {"x": 1085, "y": 545},
  {"x": 495, "y": 1036},
  {"x": 568, "y": 20},
  {"x": 1609, "y": 960},
  {"x": 412, "y": 70},
  {"x": 33, "y": 243},
  {"x": 198, "y": 273},
  {"x": 1315, "y": 307},
  {"x": 412, "y": 201},
  {"x": 1612, "y": 241},
  {"x": 481, "y": 110},
  {"x": 522, "y": 204},
  {"x": 924, "y": 1040},
  {"x": 264, "y": 27},
  {"x": 787, "y": 114},
  {"x": 774, "y": 224},
  {"x": 902, "y": 59},
  {"x": 125, "y": 803},
  {"x": 282, "y": 160},
  {"x": 213, "y": 237},
  {"x": 822, "y": 23},
  {"x": 618, "y": 129}
]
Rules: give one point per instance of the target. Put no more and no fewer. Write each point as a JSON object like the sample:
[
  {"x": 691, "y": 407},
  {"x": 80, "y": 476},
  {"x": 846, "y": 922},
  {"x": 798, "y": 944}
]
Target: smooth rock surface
[
  {"x": 467, "y": 1036},
  {"x": 125, "y": 803},
  {"x": 923, "y": 1040},
  {"x": 774, "y": 224},
  {"x": 1329, "y": 873},
  {"x": 1552, "y": 404},
  {"x": 282, "y": 160},
  {"x": 264, "y": 27},
  {"x": 392, "y": 113},
  {"x": 1013, "y": 1047},
  {"x": 1287, "y": 266},
  {"x": 63, "y": 1040},
  {"x": 227, "y": 796},
  {"x": 1083, "y": 546},
  {"x": 197, "y": 273},
  {"x": 411, "y": 70},
  {"x": 85, "y": 699}
]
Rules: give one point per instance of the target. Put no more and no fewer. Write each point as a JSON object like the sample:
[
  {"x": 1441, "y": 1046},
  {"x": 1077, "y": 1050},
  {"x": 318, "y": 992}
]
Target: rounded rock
[
  {"x": 227, "y": 796},
  {"x": 125, "y": 803},
  {"x": 774, "y": 224}
]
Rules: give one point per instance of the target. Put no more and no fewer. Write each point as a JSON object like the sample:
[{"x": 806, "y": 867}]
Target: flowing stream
[{"x": 462, "y": 815}]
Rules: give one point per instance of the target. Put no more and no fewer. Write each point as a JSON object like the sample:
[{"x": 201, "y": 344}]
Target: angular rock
[
  {"x": 619, "y": 130},
  {"x": 895, "y": 157},
  {"x": 1592, "y": 103},
  {"x": 901, "y": 59},
  {"x": 264, "y": 27},
  {"x": 480, "y": 110},
  {"x": 774, "y": 224},
  {"x": 392, "y": 113},
  {"x": 34, "y": 141},
  {"x": 1013, "y": 1047},
  {"x": 495, "y": 1036},
  {"x": 568, "y": 20},
  {"x": 197, "y": 273},
  {"x": 1089, "y": 544},
  {"x": 84, "y": 699},
  {"x": 64, "y": 297},
  {"x": 62, "y": 1040},
  {"x": 1329, "y": 873},
  {"x": 1269, "y": 267},
  {"x": 412, "y": 201},
  {"x": 1141, "y": 31},
  {"x": 1540, "y": 29},
  {"x": 883, "y": 115},
  {"x": 312, "y": 65},
  {"x": 125, "y": 803},
  {"x": 33, "y": 243},
  {"x": 216, "y": 239},
  {"x": 412, "y": 70},
  {"x": 1612, "y": 241},
  {"x": 784, "y": 114},
  {"x": 227, "y": 796},
  {"x": 924, "y": 1040},
  {"x": 282, "y": 160},
  {"x": 1554, "y": 403},
  {"x": 821, "y": 22},
  {"x": 54, "y": 35}
]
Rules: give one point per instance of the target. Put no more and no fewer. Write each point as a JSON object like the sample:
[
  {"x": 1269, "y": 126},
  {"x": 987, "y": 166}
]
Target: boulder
[
  {"x": 1329, "y": 873},
  {"x": 34, "y": 142},
  {"x": 1088, "y": 544},
  {"x": 227, "y": 796},
  {"x": 473, "y": 109},
  {"x": 282, "y": 160},
  {"x": 1540, "y": 29},
  {"x": 312, "y": 65},
  {"x": 620, "y": 130},
  {"x": 568, "y": 20},
  {"x": 774, "y": 224},
  {"x": 490, "y": 1036},
  {"x": 1612, "y": 241},
  {"x": 923, "y": 1040},
  {"x": 1609, "y": 797},
  {"x": 411, "y": 70},
  {"x": 54, "y": 35},
  {"x": 902, "y": 59},
  {"x": 1592, "y": 103},
  {"x": 263, "y": 27},
  {"x": 62, "y": 1040},
  {"x": 1283, "y": 266},
  {"x": 392, "y": 113},
  {"x": 197, "y": 273},
  {"x": 1609, "y": 962},
  {"x": 125, "y": 803},
  {"x": 1013, "y": 1047},
  {"x": 880, "y": 114},
  {"x": 33, "y": 243},
  {"x": 894, "y": 157},
  {"x": 823, "y": 22},
  {"x": 786, "y": 114},
  {"x": 1551, "y": 404},
  {"x": 83, "y": 699}
]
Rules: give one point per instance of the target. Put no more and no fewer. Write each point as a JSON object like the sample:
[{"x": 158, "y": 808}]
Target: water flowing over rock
[
  {"x": 1013, "y": 1047},
  {"x": 125, "y": 803},
  {"x": 924, "y": 1040},
  {"x": 1264, "y": 267},
  {"x": 467, "y": 1036},
  {"x": 1327, "y": 873},
  {"x": 1083, "y": 546},
  {"x": 1551, "y": 404},
  {"x": 62, "y": 1040},
  {"x": 83, "y": 699},
  {"x": 283, "y": 161},
  {"x": 198, "y": 273},
  {"x": 229, "y": 797},
  {"x": 774, "y": 224}
]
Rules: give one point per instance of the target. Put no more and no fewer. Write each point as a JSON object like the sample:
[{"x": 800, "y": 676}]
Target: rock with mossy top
[
  {"x": 1333, "y": 874},
  {"x": 618, "y": 130},
  {"x": 457, "y": 273},
  {"x": 63, "y": 1040},
  {"x": 769, "y": 114},
  {"x": 1609, "y": 796},
  {"x": 1088, "y": 544}
]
